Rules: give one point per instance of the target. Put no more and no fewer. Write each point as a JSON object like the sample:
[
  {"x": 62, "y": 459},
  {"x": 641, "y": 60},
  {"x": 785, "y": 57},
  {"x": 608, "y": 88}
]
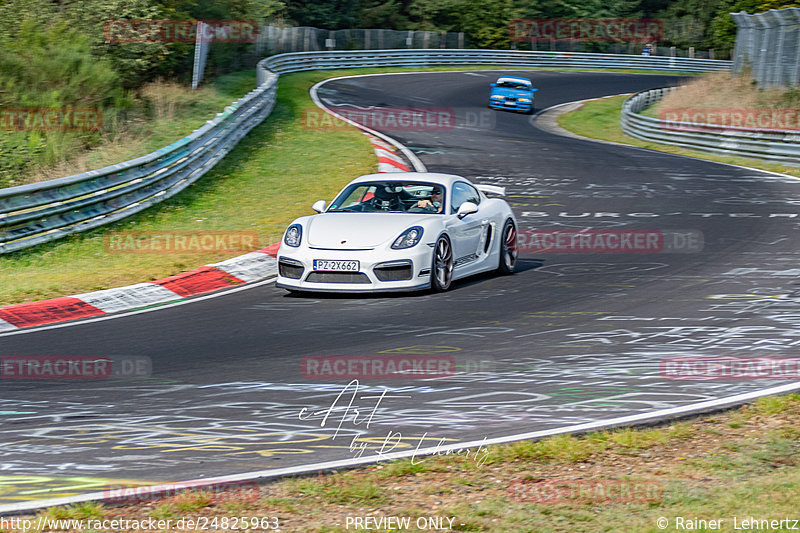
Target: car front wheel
[
  {"x": 442, "y": 267},
  {"x": 508, "y": 248}
]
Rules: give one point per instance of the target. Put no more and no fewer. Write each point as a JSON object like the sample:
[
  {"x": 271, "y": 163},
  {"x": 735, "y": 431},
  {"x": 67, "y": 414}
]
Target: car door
[{"x": 467, "y": 233}]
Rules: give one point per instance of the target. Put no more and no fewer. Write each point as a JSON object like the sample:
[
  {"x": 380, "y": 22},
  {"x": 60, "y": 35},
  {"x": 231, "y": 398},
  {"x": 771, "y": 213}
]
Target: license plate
[
  {"x": 336, "y": 266},
  {"x": 511, "y": 103}
]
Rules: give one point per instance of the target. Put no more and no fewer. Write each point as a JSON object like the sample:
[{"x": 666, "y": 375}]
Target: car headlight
[
  {"x": 496, "y": 96},
  {"x": 524, "y": 100},
  {"x": 408, "y": 238},
  {"x": 293, "y": 235}
]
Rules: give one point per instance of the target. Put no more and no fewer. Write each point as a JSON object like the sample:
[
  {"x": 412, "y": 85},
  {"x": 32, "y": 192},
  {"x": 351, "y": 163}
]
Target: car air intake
[
  {"x": 337, "y": 277},
  {"x": 393, "y": 273},
  {"x": 290, "y": 269}
]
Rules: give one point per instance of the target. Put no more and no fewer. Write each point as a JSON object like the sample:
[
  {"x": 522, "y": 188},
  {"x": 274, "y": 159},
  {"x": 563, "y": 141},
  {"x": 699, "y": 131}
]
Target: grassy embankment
[
  {"x": 741, "y": 463},
  {"x": 599, "y": 119}
]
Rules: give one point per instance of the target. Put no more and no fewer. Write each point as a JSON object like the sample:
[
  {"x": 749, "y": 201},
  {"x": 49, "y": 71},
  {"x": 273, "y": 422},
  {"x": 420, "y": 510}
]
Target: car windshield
[
  {"x": 514, "y": 85},
  {"x": 390, "y": 197}
]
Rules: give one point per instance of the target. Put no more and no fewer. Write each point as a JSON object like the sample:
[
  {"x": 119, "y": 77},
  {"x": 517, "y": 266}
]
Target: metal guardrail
[
  {"x": 773, "y": 145},
  {"x": 296, "y": 62},
  {"x": 42, "y": 212}
]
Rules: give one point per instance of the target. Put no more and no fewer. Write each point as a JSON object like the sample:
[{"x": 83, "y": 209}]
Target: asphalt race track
[{"x": 571, "y": 338}]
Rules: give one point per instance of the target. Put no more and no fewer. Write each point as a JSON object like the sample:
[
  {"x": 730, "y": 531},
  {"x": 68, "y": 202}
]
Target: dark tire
[
  {"x": 508, "y": 249},
  {"x": 442, "y": 265}
]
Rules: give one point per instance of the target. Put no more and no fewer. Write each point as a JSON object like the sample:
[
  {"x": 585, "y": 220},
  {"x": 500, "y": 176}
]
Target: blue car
[{"x": 511, "y": 92}]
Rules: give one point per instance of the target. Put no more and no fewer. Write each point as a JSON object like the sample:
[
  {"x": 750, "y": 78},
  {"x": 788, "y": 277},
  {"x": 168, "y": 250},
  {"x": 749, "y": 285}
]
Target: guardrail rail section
[
  {"x": 296, "y": 62},
  {"x": 45, "y": 211},
  {"x": 773, "y": 145},
  {"x": 42, "y": 212}
]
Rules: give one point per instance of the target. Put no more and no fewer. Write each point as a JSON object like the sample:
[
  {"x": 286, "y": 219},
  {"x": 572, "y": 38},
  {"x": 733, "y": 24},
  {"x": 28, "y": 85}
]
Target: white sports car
[{"x": 403, "y": 231}]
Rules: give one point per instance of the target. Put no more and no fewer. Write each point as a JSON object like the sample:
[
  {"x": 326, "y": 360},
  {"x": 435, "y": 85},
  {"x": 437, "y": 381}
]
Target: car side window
[{"x": 463, "y": 192}]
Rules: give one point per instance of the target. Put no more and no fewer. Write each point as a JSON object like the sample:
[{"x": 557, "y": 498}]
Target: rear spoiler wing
[{"x": 492, "y": 189}]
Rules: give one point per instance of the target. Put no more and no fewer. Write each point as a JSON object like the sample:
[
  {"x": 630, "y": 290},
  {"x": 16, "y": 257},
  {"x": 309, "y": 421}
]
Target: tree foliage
[{"x": 700, "y": 23}]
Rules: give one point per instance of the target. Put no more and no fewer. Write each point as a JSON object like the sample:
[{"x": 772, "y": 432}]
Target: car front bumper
[
  {"x": 502, "y": 104},
  {"x": 379, "y": 270}
]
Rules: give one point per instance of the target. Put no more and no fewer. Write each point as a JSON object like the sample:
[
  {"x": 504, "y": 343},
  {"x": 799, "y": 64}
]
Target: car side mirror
[
  {"x": 467, "y": 208},
  {"x": 534, "y": 90},
  {"x": 319, "y": 206},
  {"x": 492, "y": 85}
]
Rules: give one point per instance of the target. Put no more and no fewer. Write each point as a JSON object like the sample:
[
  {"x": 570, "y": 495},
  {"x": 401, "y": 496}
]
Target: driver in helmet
[{"x": 435, "y": 203}]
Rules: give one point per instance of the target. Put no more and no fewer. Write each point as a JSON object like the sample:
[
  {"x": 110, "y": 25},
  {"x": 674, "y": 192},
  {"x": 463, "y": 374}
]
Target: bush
[{"x": 51, "y": 67}]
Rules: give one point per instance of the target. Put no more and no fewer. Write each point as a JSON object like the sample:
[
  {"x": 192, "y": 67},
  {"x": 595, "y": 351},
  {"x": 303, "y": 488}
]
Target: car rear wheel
[
  {"x": 508, "y": 248},
  {"x": 442, "y": 267}
]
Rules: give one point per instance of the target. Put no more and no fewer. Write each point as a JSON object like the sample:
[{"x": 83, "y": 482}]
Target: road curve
[{"x": 572, "y": 338}]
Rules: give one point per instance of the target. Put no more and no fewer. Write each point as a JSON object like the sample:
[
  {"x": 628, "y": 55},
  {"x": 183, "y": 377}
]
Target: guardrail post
[{"x": 200, "y": 54}]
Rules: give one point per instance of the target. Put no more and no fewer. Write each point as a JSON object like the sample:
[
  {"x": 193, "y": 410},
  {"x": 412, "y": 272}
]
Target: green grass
[
  {"x": 599, "y": 119},
  {"x": 78, "y": 511}
]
